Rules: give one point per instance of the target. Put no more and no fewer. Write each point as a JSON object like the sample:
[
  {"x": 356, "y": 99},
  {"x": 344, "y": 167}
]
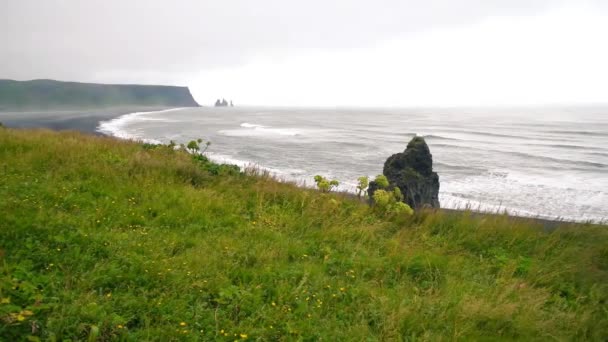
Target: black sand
[{"x": 85, "y": 120}]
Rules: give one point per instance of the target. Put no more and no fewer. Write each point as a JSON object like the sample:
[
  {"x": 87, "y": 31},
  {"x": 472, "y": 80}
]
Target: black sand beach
[{"x": 85, "y": 120}]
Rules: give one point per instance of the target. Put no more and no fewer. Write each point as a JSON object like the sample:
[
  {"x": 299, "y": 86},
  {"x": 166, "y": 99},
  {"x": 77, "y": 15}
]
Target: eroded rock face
[{"x": 412, "y": 172}]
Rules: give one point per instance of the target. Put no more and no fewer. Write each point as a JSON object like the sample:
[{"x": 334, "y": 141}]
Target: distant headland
[{"x": 51, "y": 94}]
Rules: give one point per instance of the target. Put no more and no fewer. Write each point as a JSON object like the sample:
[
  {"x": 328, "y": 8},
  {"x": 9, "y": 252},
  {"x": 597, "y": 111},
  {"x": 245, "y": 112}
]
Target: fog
[{"x": 347, "y": 53}]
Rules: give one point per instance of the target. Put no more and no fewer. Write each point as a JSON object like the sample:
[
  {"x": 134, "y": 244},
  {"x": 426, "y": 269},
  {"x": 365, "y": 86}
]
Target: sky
[{"x": 320, "y": 52}]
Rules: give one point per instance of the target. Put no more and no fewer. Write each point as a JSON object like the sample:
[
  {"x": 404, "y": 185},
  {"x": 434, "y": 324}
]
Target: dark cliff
[{"x": 50, "y": 94}]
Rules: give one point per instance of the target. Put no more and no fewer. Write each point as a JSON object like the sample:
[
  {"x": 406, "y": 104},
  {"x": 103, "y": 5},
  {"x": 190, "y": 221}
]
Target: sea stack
[{"x": 412, "y": 172}]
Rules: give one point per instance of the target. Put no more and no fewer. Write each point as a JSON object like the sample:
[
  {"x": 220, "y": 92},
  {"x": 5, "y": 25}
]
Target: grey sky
[{"x": 155, "y": 41}]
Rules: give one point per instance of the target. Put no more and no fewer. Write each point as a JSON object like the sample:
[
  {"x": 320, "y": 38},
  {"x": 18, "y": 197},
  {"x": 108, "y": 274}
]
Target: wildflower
[
  {"x": 20, "y": 317},
  {"x": 274, "y": 304},
  {"x": 342, "y": 289},
  {"x": 109, "y": 294},
  {"x": 119, "y": 326},
  {"x": 244, "y": 336},
  {"x": 182, "y": 324}
]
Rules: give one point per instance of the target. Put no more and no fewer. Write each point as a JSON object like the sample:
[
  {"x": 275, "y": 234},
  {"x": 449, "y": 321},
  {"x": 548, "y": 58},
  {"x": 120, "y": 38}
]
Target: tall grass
[{"x": 103, "y": 239}]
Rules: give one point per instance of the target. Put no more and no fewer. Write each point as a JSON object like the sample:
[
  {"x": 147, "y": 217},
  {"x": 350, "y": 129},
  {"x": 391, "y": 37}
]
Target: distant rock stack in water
[
  {"x": 412, "y": 172},
  {"x": 223, "y": 103}
]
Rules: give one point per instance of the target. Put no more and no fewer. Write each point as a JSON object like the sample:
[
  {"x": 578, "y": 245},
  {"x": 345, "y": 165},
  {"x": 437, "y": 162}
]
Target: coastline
[
  {"x": 84, "y": 120},
  {"x": 89, "y": 120}
]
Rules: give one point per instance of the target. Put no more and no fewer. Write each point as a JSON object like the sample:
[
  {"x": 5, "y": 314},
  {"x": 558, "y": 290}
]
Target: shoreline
[
  {"x": 88, "y": 121},
  {"x": 82, "y": 120},
  {"x": 548, "y": 224}
]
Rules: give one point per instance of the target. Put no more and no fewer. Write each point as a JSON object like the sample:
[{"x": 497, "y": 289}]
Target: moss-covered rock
[{"x": 412, "y": 172}]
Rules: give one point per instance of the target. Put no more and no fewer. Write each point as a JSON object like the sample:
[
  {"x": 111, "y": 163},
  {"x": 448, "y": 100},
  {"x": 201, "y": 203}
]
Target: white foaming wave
[
  {"x": 255, "y": 130},
  {"x": 248, "y": 125},
  {"x": 116, "y": 127},
  {"x": 284, "y": 173},
  {"x": 298, "y": 176},
  {"x": 495, "y": 192}
]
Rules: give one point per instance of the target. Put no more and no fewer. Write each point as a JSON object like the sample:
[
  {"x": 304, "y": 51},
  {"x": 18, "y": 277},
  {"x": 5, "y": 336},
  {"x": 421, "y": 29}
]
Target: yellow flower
[
  {"x": 119, "y": 326},
  {"x": 243, "y": 336},
  {"x": 274, "y": 304},
  {"x": 5, "y": 300},
  {"x": 182, "y": 324},
  {"x": 20, "y": 317}
]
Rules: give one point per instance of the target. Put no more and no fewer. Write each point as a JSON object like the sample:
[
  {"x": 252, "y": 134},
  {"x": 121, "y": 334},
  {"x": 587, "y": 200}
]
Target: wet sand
[{"x": 85, "y": 120}]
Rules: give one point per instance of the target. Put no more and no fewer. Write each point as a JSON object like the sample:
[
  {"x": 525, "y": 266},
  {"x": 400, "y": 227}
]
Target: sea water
[{"x": 546, "y": 162}]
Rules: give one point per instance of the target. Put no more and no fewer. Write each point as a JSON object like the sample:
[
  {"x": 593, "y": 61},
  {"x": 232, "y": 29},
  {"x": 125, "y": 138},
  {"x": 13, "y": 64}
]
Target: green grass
[{"x": 103, "y": 239}]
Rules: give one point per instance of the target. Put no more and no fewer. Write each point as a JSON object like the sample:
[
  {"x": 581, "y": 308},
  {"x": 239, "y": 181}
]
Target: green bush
[
  {"x": 382, "y": 181},
  {"x": 362, "y": 184},
  {"x": 325, "y": 185},
  {"x": 382, "y": 199}
]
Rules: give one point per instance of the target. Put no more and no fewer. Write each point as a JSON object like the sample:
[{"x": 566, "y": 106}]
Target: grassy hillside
[
  {"x": 49, "y": 94},
  {"x": 102, "y": 239}
]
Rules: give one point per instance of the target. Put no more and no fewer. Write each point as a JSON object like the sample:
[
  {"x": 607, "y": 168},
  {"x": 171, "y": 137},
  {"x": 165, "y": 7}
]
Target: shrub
[
  {"x": 382, "y": 199},
  {"x": 363, "y": 183},
  {"x": 399, "y": 208},
  {"x": 398, "y": 195},
  {"x": 324, "y": 184},
  {"x": 382, "y": 181},
  {"x": 192, "y": 146}
]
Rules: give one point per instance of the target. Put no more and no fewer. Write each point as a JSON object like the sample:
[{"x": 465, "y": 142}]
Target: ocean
[{"x": 541, "y": 162}]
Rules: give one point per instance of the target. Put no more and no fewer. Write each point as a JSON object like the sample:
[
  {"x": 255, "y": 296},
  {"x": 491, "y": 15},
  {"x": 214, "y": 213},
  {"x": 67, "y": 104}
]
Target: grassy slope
[
  {"x": 50, "y": 94},
  {"x": 106, "y": 238}
]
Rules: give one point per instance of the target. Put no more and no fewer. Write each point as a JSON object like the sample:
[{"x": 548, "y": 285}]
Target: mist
[{"x": 343, "y": 53}]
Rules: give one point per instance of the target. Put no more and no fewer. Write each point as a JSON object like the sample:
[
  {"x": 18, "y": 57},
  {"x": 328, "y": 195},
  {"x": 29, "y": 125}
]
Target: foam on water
[
  {"x": 526, "y": 165},
  {"x": 117, "y": 127},
  {"x": 254, "y": 130}
]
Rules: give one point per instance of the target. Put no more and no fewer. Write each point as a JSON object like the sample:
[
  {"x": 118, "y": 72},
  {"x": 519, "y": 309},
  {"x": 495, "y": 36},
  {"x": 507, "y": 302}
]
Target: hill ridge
[{"x": 53, "y": 94}]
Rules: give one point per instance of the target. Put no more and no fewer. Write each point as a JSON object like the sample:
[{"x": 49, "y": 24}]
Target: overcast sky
[{"x": 320, "y": 52}]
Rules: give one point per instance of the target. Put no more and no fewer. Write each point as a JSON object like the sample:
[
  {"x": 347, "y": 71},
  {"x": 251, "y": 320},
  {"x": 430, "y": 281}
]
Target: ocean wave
[
  {"x": 249, "y": 129},
  {"x": 439, "y": 137},
  {"x": 583, "y": 133},
  {"x": 474, "y": 133},
  {"x": 568, "y": 147},
  {"x": 558, "y": 160},
  {"x": 291, "y": 173},
  {"x": 248, "y": 125},
  {"x": 573, "y": 163},
  {"x": 116, "y": 127},
  {"x": 452, "y": 167}
]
